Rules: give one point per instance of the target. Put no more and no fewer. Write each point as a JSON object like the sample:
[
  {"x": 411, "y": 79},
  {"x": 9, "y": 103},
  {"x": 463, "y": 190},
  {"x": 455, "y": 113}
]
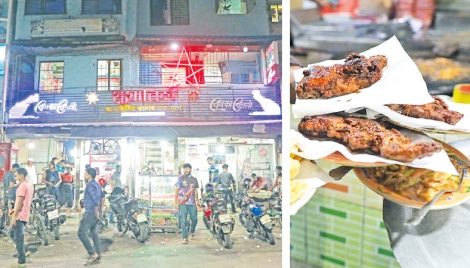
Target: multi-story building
[{"x": 171, "y": 81}]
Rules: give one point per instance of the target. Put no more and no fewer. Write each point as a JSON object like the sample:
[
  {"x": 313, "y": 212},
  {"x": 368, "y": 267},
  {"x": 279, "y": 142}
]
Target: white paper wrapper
[
  {"x": 463, "y": 125},
  {"x": 313, "y": 149},
  {"x": 401, "y": 83},
  {"x": 314, "y": 177}
]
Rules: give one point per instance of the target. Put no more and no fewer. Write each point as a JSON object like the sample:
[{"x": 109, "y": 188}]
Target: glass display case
[{"x": 157, "y": 192}]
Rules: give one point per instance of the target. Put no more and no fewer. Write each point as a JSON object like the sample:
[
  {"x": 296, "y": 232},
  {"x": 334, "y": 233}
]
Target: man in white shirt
[{"x": 32, "y": 176}]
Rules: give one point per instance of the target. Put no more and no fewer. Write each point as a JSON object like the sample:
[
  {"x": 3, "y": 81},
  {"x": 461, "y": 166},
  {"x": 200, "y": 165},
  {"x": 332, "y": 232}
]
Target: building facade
[{"x": 166, "y": 81}]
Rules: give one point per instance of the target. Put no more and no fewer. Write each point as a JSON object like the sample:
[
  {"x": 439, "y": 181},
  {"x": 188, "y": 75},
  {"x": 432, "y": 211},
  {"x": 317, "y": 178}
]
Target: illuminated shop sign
[
  {"x": 125, "y": 97},
  {"x": 217, "y": 104},
  {"x": 142, "y": 108},
  {"x": 269, "y": 106},
  {"x": 60, "y": 107},
  {"x": 272, "y": 63},
  {"x": 19, "y": 109}
]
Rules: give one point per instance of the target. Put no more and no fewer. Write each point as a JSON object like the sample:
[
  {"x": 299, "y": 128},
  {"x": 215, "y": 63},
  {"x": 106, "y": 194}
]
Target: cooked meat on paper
[
  {"x": 437, "y": 110},
  {"x": 356, "y": 73},
  {"x": 365, "y": 134}
]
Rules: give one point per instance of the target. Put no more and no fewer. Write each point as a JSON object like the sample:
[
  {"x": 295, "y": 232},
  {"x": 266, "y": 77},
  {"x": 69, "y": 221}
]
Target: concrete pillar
[
  {"x": 80, "y": 145},
  {"x": 131, "y": 174}
]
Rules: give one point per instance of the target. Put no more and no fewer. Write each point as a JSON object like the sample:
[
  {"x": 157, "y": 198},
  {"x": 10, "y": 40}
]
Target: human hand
[
  {"x": 97, "y": 215},
  {"x": 177, "y": 205},
  {"x": 13, "y": 221}
]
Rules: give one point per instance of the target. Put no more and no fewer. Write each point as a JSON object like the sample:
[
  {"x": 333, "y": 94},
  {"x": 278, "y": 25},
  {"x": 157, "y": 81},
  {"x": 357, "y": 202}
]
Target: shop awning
[{"x": 269, "y": 129}]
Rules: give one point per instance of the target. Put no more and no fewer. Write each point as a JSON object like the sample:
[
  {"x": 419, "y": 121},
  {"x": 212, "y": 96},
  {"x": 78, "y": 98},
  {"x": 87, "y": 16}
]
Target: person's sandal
[
  {"x": 27, "y": 254},
  {"x": 92, "y": 260},
  {"x": 192, "y": 236},
  {"x": 185, "y": 241}
]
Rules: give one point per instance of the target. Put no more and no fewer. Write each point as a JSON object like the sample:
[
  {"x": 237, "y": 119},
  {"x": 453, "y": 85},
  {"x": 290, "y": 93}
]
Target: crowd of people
[{"x": 59, "y": 179}]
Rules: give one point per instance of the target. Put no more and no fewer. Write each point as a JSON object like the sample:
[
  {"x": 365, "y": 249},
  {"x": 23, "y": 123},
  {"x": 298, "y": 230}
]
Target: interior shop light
[
  {"x": 163, "y": 143},
  {"x": 73, "y": 152},
  {"x": 31, "y": 145},
  {"x": 245, "y": 49},
  {"x": 2, "y": 52},
  {"x": 220, "y": 149}
]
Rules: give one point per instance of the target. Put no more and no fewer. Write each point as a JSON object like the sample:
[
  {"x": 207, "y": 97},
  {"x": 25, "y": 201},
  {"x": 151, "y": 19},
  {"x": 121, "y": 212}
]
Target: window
[
  {"x": 44, "y": 7},
  {"x": 276, "y": 13},
  {"x": 157, "y": 67},
  {"x": 231, "y": 7},
  {"x": 101, "y": 6},
  {"x": 169, "y": 12},
  {"x": 51, "y": 77},
  {"x": 109, "y": 75}
]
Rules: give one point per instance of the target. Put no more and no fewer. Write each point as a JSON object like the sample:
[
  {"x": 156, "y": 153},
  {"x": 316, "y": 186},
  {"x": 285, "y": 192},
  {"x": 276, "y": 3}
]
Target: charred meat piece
[
  {"x": 366, "y": 134},
  {"x": 436, "y": 110},
  {"x": 356, "y": 73}
]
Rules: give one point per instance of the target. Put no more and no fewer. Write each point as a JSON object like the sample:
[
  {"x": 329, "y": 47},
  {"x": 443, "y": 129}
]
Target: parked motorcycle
[
  {"x": 245, "y": 202},
  {"x": 275, "y": 212},
  {"x": 129, "y": 216},
  {"x": 258, "y": 221},
  {"x": 215, "y": 217},
  {"x": 45, "y": 210}
]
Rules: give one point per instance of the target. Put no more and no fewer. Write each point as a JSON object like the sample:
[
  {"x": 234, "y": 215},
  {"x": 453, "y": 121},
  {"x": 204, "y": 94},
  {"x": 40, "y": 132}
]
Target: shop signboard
[
  {"x": 137, "y": 104},
  {"x": 74, "y": 27},
  {"x": 272, "y": 63}
]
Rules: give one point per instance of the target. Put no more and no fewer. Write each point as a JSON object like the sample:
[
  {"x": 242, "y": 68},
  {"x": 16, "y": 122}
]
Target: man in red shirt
[
  {"x": 66, "y": 197},
  {"x": 21, "y": 212}
]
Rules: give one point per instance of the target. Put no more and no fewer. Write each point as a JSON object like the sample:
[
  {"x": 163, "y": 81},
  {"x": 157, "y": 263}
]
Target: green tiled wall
[{"x": 333, "y": 232}]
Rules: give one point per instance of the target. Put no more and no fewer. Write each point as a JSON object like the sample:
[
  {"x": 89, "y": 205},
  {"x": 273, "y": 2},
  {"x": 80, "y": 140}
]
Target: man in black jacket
[{"x": 227, "y": 185}]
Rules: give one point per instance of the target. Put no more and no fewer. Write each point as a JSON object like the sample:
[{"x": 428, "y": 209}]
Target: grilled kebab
[
  {"x": 366, "y": 134},
  {"x": 436, "y": 110},
  {"x": 356, "y": 73}
]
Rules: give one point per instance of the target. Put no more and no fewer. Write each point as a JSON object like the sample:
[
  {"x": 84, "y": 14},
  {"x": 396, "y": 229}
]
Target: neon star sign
[
  {"x": 176, "y": 78},
  {"x": 92, "y": 98}
]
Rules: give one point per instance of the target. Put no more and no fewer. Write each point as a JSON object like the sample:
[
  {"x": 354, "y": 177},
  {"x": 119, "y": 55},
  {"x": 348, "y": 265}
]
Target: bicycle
[{"x": 109, "y": 146}]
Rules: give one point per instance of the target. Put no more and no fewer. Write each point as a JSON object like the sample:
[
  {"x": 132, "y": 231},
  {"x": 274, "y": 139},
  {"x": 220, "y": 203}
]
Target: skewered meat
[
  {"x": 366, "y": 134},
  {"x": 436, "y": 110},
  {"x": 356, "y": 73}
]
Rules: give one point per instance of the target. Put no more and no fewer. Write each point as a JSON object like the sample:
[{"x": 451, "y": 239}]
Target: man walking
[
  {"x": 21, "y": 212},
  {"x": 91, "y": 217},
  {"x": 115, "y": 182},
  {"x": 186, "y": 199},
  {"x": 227, "y": 183}
]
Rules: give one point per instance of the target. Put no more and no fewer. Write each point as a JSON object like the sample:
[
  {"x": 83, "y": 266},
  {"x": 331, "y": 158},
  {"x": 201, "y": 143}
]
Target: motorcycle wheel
[
  {"x": 119, "y": 225},
  {"x": 56, "y": 232},
  {"x": 270, "y": 237},
  {"x": 242, "y": 218},
  {"x": 141, "y": 233},
  {"x": 206, "y": 223},
  {"x": 226, "y": 240},
  {"x": 41, "y": 229}
]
